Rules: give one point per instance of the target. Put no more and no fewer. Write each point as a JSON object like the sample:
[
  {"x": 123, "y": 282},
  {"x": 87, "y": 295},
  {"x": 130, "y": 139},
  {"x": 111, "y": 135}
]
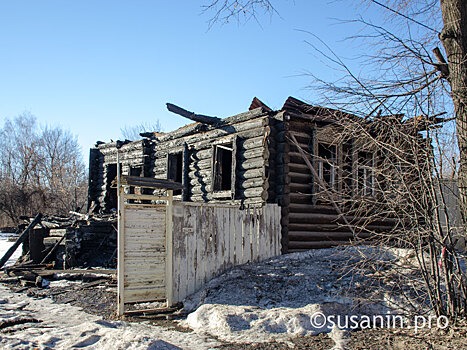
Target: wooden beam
[
  {"x": 191, "y": 115},
  {"x": 20, "y": 240},
  {"x": 150, "y": 182},
  {"x": 52, "y": 251},
  {"x": 169, "y": 257}
]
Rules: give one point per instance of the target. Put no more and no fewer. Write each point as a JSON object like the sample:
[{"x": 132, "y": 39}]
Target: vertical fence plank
[
  {"x": 230, "y": 224},
  {"x": 254, "y": 244},
  {"x": 263, "y": 243},
  {"x": 277, "y": 228},
  {"x": 220, "y": 259},
  {"x": 169, "y": 248},
  {"x": 191, "y": 247},
  {"x": 177, "y": 251},
  {"x": 237, "y": 231},
  {"x": 210, "y": 238},
  {"x": 214, "y": 238},
  {"x": 247, "y": 236}
]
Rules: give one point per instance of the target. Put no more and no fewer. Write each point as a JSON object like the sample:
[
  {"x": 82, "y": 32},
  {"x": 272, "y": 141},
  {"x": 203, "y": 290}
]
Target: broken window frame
[
  {"x": 218, "y": 189},
  {"x": 136, "y": 170},
  {"x": 179, "y": 175},
  {"x": 111, "y": 191}
]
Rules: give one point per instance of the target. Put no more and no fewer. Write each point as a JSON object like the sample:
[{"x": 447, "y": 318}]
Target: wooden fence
[
  {"x": 171, "y": 250},
  {"x": 208, "y": 239}
]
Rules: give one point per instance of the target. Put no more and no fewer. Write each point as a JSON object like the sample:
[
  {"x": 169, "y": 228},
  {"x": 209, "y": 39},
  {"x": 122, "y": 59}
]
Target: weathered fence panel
[
  {"x": 209, "y": 239},
  {"x": 169, "y": 251},
  {"x": 143, "y": 254}
]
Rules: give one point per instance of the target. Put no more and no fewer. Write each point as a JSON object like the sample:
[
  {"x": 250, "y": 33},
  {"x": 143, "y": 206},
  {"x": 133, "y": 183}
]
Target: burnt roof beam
[{"x": 192, "y": 116}]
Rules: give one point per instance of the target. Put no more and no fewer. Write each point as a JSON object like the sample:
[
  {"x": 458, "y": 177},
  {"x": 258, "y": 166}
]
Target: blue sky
[{"x": 95, "y": 66}]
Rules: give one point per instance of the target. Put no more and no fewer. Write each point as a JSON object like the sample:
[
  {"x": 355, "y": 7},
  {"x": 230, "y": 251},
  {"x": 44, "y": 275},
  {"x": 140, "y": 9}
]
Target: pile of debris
[{"x": 61, "y": 243}]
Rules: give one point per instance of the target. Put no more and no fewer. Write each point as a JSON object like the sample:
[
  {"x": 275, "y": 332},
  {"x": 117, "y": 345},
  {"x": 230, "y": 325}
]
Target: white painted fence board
[
  {"x": 230, "y": 235},
  {"x": 237, "y": 230},
  {"x": 208, "y": 239},
  {"x": 143, "y": 250}
]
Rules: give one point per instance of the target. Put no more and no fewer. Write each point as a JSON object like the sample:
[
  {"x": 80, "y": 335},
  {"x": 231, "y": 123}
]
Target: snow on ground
[
  {"x": 272, "y": 300},
  {"x": 5, "y": 245},
  {"x": 276, "y": 299},
  {"x": 62, "y": 326}
]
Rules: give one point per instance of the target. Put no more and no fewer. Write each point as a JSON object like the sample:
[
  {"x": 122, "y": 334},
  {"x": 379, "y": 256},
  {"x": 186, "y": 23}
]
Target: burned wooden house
[{"x": 292, "y": 156}]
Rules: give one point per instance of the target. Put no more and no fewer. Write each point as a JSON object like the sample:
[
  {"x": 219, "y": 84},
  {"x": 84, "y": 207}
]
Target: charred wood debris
[{"x": 79, "y": 247}]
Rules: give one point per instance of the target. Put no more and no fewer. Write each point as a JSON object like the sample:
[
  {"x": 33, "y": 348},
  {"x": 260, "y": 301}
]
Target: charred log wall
[
  {"x": 134, "y": 160},
  {"x": 309, "y": 215},
  {"x": 245, "y": 134}
]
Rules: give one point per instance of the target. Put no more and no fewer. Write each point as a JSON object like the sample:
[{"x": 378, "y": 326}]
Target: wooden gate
[
  {"x": 144, "y": 230},
  {"x": 167, "y": 252}
]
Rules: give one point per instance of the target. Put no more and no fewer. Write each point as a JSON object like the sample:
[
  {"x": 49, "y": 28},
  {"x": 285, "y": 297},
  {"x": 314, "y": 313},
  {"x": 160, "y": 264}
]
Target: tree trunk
[{"x": 454, "y": 39}]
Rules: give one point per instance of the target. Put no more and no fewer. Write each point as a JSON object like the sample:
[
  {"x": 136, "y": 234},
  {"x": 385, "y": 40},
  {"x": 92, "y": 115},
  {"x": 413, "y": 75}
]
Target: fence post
[
  {"x": 169, "y": 248},
  {"x": 120, "y": 242}
]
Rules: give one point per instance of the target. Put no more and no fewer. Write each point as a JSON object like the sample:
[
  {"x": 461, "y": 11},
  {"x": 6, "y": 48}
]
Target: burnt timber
[{"x": 255, "y": 157}]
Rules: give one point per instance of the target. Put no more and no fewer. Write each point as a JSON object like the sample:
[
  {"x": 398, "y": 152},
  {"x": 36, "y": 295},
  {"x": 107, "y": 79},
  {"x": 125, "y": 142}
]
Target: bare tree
[
  {"x": 132, "y": 132},
  {"x": 414, "y": 72},
  {"x": 40, "y": 169},
  {"x": 413, "y": 85},
  {"x": 239, "y": 10},
  {"x": 454, "y": 39},
  {"x": 61, "y": 170}
]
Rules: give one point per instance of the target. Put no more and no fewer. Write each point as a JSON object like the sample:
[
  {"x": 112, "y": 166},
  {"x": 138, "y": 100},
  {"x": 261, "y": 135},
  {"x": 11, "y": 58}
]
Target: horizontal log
[
  {"x": 314, "y": 218},
  {"x": 111, "y": 146},
  {"x": 294, "y": 245},
  {"x": 253, "y": 153},
  {"x": 201, "y": 154},
  {"x": 252, "y": 201},
  {"x": 254, "y": 182},
  {"x": 296, "y": 157},
  {"x": 302, "y": 136},
  {"x": 301, "y": 187},
  {"x": 211, "y": 133},
  {"x": 318, "y": 218},
  {"x": 256, "y": 142},
  {"x": 323, "y": 235},
  {"x": 300, "y": 177},
  {"x": 298, "y": 168},
  {"x": 255, "y": 192},
  {"x": 337, "y": 227},
  {"x": 198, "y": 175},
  {"x": 183, "y": 131},
  {"x": 250, "y": 174},
  {"x": 302, "y": 207},
  {"x": 301, "y": 197},
  {"x": 245, "y": 116},
  {"x": 144, "y": 197},
  {"x": 198, "y": 198},
  {"x": 247, "y": 135},
  {"x": 201, "y": 164},
  {"x": 252, "y": 163}
]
